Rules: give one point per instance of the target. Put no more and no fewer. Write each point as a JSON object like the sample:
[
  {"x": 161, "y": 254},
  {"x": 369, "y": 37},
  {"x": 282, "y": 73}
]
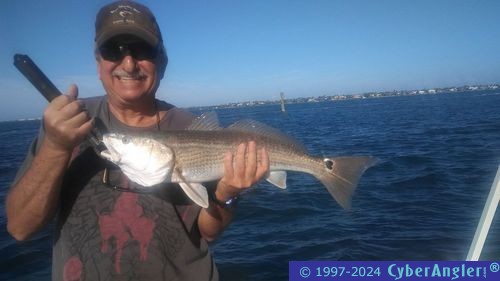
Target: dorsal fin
[
  {"x": 252, "y": 126},
  {"x": 205, "y": 122}
]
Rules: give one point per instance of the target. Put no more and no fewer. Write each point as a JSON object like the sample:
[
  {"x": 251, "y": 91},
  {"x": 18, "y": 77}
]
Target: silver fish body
[
  {"x": 196, "y": 156},
  {"x": 200, "y": 154}
]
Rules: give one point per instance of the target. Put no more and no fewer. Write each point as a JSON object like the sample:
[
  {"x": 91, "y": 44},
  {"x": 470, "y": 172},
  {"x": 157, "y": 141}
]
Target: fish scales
[{"x": 201, "y": 154}]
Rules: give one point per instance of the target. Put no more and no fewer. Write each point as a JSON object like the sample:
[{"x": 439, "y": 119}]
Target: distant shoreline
[{"x": 327, "y": 98}]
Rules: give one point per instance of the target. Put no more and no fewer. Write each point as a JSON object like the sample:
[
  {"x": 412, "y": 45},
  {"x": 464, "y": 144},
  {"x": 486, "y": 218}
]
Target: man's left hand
[{"x": 242, "y": 170}]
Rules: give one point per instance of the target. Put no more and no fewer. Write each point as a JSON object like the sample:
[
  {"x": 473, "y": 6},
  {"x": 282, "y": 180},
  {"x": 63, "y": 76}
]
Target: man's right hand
[
  {"x": 66, "y": 122},
  {"x": 33, "y": 200}
]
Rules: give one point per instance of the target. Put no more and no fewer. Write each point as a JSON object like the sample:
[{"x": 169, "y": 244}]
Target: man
[{"x": 105, "y": 230}]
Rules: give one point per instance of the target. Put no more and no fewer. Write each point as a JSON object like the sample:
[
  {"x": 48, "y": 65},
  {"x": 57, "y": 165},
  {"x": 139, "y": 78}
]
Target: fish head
[{"x": 142, "y": 159}]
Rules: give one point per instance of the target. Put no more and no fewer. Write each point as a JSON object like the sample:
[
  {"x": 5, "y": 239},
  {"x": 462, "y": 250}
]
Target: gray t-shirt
[{"x": 107, "y": 234}]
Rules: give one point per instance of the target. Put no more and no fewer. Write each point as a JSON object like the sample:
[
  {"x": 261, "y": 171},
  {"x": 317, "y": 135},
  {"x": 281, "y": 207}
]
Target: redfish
[{"x": 196, "y": 155}]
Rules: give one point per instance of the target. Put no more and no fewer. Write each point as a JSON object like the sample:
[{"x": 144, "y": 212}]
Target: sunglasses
[{"x": 116, "y": 51}]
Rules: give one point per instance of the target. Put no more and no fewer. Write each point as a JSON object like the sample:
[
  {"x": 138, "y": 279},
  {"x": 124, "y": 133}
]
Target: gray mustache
[{"x": 124, "y": 74}]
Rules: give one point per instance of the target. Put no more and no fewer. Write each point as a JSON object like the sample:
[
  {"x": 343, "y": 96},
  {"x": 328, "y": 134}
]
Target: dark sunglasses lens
[
  {"x": 142, "y": 51},
  {"x": 113, "y": 51}
]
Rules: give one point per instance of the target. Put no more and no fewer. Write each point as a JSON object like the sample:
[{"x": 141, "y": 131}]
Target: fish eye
[{"x": 125, "y": 140}]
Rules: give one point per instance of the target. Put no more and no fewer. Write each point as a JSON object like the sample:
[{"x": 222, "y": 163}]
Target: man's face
[{"x": 127, "y": 68}]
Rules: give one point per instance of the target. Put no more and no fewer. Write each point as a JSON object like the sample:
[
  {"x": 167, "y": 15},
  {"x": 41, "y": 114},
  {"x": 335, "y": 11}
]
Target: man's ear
[
  {"x": 98, "y": 63},
  {"x": 98, "y": 59},
  {"x": 162, "y": 62}
]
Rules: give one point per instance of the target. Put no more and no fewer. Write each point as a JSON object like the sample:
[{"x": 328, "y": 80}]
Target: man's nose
[{"x": 129, "y": 64}]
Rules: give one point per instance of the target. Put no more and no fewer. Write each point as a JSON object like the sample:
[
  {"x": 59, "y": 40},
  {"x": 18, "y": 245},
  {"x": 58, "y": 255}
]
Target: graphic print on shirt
[
  {"x": 73, "y": 269},
  {"x": 126, "y": 223}
]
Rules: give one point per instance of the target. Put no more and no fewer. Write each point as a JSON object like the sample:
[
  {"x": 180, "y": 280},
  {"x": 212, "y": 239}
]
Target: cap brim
[{"x": 150, "y": 38}]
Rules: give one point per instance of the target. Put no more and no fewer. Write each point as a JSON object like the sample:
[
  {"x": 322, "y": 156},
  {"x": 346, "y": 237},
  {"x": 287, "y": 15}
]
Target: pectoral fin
[
  {"x": 277, "y": 178},
  {"x": 196, "y": 192}
]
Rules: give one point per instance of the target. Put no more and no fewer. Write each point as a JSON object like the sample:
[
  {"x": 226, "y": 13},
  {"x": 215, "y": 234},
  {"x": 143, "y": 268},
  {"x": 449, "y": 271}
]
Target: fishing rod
[{"x": 42, "y": 83}]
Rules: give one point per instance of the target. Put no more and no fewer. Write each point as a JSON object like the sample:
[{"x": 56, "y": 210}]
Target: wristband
[{"x": 229, "y": 203}]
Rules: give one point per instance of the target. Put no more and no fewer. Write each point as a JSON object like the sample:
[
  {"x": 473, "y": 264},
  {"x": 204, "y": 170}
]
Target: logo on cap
[{"x": 124, "y": 11}]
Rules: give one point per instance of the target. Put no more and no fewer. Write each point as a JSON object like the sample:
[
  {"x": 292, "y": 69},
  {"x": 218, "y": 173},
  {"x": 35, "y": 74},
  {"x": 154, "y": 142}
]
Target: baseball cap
[{"x": 127, "y": 17}]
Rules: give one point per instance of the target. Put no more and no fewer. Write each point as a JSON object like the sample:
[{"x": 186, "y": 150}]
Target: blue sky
[{"x": 230, "y": 51}]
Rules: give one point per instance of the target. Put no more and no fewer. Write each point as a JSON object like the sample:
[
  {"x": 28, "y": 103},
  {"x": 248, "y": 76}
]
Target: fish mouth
[
  {"x": 111, "y": 155},
  {"x": 110, "y": 152}
]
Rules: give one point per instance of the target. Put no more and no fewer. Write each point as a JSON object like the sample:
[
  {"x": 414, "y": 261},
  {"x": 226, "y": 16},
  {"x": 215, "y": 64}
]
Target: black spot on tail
[{"x": 329, "y": 164}]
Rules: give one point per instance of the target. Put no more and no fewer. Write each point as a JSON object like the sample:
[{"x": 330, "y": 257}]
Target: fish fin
[
  {"x": 277, "y": 178},
  {"x": 341, "y": 175},
  {"x": 196, "y": 192},
  {"x": 205, "y": 122},
  {"x": 258, "y": 128}
]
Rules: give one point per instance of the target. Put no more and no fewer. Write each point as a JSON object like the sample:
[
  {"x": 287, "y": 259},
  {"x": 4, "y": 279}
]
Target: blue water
[{"x": 439, "y": 156}]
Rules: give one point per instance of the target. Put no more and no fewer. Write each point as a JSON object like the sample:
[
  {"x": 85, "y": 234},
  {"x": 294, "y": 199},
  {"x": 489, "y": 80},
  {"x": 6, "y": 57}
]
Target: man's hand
[
  {"x": 33, "y": 201},
  {"x": 66, "y": 122},
  {"x": 242, "y": 170}
]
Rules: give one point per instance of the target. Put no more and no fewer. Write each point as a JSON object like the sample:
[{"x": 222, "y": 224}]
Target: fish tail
[{"x": 340, "y": 176}]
